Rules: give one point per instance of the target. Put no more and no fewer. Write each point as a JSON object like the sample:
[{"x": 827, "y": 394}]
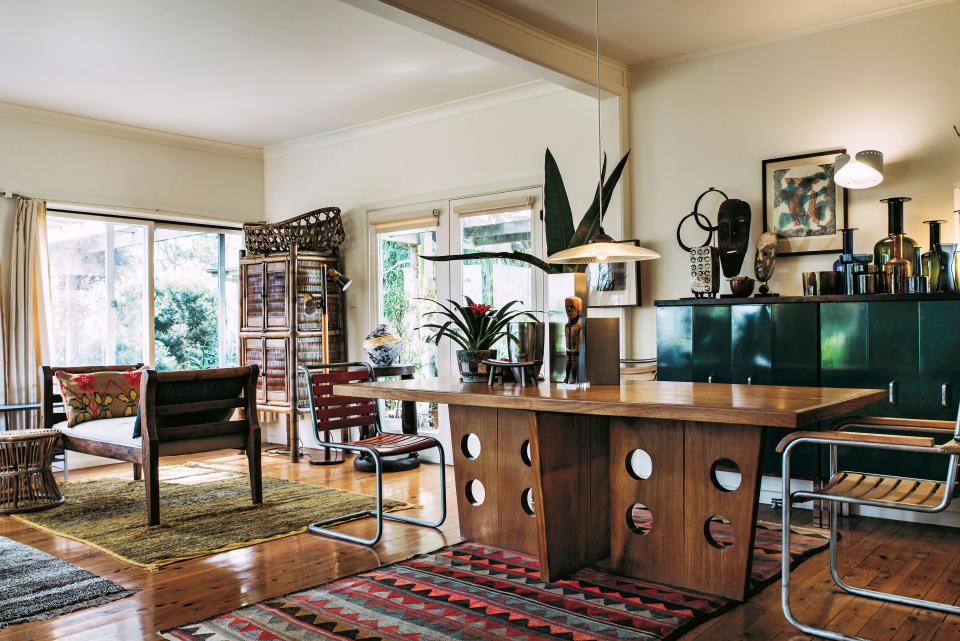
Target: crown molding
[
  {"x": 518, "y": 93},
  {"x": 116, "y": 130},
  {"x": 791, "y": 35}
]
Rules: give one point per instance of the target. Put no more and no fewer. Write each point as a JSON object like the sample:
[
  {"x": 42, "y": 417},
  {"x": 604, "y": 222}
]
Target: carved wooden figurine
[{"x": 573, "y": 333}]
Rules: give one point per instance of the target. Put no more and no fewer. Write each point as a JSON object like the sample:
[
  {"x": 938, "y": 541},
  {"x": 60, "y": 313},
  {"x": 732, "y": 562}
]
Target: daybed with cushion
[{"x": 148, "y": 414}]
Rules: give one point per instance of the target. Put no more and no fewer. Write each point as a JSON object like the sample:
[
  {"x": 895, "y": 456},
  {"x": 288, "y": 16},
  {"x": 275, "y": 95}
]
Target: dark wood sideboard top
[{"x": 775, "y": 300}]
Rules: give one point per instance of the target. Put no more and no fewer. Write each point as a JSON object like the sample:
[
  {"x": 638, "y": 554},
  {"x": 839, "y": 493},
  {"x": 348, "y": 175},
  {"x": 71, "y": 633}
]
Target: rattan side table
[{"x": 26, "y": 477}]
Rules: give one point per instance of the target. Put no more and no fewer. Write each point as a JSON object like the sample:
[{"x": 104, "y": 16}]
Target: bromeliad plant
[
  {"x": 473, "y": 326},
  {"x": 558, "y": 218}
]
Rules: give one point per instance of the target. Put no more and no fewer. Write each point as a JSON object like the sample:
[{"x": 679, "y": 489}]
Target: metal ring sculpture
[{"x": 697, "y": 216}]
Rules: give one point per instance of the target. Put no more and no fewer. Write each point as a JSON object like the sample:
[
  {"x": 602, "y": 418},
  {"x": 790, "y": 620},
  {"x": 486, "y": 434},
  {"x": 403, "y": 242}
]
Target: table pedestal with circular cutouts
[
  {"x": 661, "y": 477},
  {"x": 26, "y": 477}
]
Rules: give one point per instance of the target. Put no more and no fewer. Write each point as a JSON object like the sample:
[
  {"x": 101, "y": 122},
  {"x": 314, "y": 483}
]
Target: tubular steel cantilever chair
[
  {"x": 915, "y": 495},
  {"x": 330, "y": 412}
]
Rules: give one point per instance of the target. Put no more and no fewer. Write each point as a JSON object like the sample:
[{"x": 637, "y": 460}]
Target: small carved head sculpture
[
  {"x": 573, "y": 306},
  {"x": 766, "y": 256}
]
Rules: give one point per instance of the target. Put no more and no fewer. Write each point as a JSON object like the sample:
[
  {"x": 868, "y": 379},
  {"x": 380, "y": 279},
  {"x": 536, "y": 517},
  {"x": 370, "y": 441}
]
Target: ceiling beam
[{"x": 494, "y": 34}]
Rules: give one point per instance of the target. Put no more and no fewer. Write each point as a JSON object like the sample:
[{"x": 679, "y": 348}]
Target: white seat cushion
[{"x": 118, "y": 431}]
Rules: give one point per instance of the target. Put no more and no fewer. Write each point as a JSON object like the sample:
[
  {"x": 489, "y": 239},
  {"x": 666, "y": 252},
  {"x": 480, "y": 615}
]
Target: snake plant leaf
[
  {"x": 511, "y": 255},
  {"x": 558, "y": 217},
  {"x": 590, "y": 224}
]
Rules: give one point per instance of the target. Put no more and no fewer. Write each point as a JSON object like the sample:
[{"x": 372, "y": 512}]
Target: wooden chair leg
[
  {"x": 137, "y": 471},
  {"x": 151, "y": 481},
  {"x": 253, "y": 465}
]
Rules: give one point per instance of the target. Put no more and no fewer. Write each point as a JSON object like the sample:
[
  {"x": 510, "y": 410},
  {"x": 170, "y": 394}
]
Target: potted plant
[{"x": 475, "y": 327}]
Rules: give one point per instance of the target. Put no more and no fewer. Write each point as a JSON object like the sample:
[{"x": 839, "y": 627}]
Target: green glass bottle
[
  {"x": 935, "y": 261},
  {"x": 883, "y": 250}
]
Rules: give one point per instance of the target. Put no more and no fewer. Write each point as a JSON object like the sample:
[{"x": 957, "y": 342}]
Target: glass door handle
[
  {"x": 892, "y": 392},
  {"x": 945, "y": 395}
]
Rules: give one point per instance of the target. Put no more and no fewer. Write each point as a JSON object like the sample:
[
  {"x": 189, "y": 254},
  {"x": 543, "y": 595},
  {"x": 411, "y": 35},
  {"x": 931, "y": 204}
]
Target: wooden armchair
[
  {"x": 183, "y": 412},
  {"x": 853, "y": 488}
]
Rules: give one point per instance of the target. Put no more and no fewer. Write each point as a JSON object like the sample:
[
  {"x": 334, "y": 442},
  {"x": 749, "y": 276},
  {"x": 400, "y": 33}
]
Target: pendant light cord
[{"x": 599, "y": 130}]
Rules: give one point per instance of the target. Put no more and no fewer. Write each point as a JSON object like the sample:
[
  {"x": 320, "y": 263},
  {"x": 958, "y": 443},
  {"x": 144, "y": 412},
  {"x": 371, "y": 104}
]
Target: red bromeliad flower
[{"x": 479, "y": 309}]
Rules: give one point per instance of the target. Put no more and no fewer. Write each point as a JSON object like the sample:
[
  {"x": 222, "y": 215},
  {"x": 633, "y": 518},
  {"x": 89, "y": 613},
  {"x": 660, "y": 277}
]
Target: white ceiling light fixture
[
  {"x": 601, "y": 248},
  {"x": 863, "y": 171}
]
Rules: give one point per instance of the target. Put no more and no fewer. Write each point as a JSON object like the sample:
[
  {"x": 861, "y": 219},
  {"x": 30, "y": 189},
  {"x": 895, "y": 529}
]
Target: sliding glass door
[
  {"x": 128, "y": 291},
  {"x": 98, "y": 291}
]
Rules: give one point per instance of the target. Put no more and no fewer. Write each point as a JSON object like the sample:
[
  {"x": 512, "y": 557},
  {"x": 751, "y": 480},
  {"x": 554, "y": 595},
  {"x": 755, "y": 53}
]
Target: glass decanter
[
  {"x": 883, "y": 250},
  {"x": 935, "y": 262}
]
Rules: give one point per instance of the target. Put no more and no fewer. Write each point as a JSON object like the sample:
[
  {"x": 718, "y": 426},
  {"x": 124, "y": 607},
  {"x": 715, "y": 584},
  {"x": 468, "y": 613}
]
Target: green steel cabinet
[{"x": 907, "y": 345}]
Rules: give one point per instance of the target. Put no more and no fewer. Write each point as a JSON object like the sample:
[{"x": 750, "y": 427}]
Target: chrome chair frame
[
  {"x": 320, "y": 527},
  {"x": 898, "y": 443}
]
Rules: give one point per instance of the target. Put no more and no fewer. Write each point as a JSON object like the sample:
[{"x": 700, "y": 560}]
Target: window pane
[
  {"x": 508, "y": 231},
  {"x": 186, "y": 299},
  {"x": 405, "y": 277},
  {"x": 78, "y": 290},
  {"x": 129, "y": 292},
  {"x": 233, "y": 244}
]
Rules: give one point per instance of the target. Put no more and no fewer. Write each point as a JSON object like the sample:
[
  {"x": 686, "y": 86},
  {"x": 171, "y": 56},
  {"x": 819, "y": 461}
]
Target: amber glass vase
[{"x": 883, "y": 250}]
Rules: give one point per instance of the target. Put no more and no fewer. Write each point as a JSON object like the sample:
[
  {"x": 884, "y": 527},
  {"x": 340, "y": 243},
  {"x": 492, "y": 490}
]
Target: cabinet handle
[
  {"x": 710, "y": 378},
  {"x": 892, "y": 392},
  {"x": 945, "y": 395},
  {"x": 749, "y": 380}
]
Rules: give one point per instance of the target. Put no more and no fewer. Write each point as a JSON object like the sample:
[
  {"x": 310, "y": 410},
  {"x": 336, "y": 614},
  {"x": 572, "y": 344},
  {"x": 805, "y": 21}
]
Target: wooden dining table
[{"x": 552, "y": 472}]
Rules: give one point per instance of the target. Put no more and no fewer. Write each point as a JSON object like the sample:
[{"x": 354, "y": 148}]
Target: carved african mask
[
  {"x": 766, "y": 257},
  {"x": 733, "y": 235}
]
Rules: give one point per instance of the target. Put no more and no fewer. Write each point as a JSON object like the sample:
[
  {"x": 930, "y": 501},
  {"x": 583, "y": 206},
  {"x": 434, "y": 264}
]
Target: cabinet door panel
[
  {"x": 675, "y": 344},
  {"x": 252, "y": 280},
  {"x": 751, "y": 330},
  {"x": 251, "y": 353},
  {"x": 277, "y": 357},
  {"x": 939, "y": 359},
  {"x": 711, "y": 343},
  {"x": 844, "y": 343},
  {"x": 796, "y": 348},
  {"x": 277, "y": 296},
  {"x": 893, "y": 356}
]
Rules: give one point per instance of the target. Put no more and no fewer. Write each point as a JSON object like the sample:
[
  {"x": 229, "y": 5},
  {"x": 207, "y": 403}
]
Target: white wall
[
  {"x": 464, "y": 154},
  {"x": 889, "y": 84},
  {"x": 75, "y": 160}
]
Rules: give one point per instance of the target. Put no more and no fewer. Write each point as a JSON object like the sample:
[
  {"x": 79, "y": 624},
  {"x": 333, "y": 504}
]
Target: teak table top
[{"x": 761, "y": 405}]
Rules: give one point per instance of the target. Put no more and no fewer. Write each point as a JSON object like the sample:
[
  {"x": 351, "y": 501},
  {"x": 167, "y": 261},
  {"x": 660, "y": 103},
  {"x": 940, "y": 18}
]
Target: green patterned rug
[{"x": 203, "y": 510}]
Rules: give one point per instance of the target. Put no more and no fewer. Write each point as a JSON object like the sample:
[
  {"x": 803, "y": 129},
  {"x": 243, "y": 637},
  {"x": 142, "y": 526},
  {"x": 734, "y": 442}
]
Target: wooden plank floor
[{"x": 917, "y": 560}]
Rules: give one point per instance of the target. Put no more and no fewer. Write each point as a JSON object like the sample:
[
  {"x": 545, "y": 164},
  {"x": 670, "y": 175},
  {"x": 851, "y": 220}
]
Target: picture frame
[
  {"x": 614, "y": 284},
  {"x": 803, "y": 205}
]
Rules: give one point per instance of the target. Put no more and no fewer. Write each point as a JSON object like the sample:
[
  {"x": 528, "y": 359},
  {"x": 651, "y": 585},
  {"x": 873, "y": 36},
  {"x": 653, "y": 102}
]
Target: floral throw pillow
[{"x": 90, "y": 397}]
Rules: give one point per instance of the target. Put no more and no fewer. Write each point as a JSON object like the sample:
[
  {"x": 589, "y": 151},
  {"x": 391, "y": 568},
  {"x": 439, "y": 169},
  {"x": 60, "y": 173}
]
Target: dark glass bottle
[
  {"x": 883, "y": 250},
  {"x": 847, "y": 255},
  {"x": 935, "y": 262}
]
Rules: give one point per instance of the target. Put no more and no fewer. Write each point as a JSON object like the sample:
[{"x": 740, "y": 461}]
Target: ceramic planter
[
  {"x": 470, "y": 361},
  {"x": 382, "y": 346}
]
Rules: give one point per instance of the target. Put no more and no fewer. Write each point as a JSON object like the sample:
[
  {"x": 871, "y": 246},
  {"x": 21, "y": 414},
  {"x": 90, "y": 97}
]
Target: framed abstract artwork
[
  {"x": 803, "y": 205},
  {"x": 614, "y": 284}
]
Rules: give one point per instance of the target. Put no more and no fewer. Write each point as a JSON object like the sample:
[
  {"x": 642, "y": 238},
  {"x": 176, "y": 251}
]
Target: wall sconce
[
  {"x": 863, "y": 171},
  {"x": 340, "y": 279}
]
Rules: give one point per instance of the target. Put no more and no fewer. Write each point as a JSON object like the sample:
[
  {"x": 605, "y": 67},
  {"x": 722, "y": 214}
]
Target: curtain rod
[{"x": 119, "y": 212}]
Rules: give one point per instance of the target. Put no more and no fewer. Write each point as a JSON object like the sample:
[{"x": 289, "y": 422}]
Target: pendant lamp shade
[
  {"x": 863, "y": 171},
  {"x": 602, "y": 249}
]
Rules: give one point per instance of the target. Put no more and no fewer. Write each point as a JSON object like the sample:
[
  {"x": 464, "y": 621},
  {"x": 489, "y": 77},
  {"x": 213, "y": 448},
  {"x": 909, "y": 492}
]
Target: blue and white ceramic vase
[{"x": 382, "y": 346}]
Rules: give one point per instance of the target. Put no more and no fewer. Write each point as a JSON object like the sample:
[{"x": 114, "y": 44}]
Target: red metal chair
[{"x": 331, "y": 412}]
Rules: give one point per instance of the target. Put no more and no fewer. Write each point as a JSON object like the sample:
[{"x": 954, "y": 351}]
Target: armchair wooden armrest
[
  {"x": 923, "y": 426},
  {"x": 857, "y": 438}
]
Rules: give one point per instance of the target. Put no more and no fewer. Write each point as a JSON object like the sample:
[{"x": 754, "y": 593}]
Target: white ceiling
[
  {"x": 636, "y": 31},
  {"x": 250, "y": 72}
]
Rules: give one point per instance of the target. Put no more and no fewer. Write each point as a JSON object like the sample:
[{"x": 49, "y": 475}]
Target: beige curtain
[{"x": 26, "y": 338}]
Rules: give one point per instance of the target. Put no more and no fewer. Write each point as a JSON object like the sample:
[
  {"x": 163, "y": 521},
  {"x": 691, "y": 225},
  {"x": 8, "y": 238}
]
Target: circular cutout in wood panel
[
  {"x": 470, "y": 446},
  {"x": 525, "y": 454},
  {"x": 639, "y": 464},
  {"x": 640, "y": 518},
  {"x": 475, "y": 492},
  {"x": 526, "y": 501},
  {"x": 726, "y": 475},
  {"x": 719, "y": 532}
]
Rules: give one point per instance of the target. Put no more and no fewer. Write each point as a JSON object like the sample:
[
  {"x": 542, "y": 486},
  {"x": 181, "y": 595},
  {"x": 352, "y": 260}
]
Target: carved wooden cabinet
[{"x": 291, "y": 314}]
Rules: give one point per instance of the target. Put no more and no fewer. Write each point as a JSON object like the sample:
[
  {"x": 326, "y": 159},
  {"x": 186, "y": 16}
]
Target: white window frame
[{"x": 150, "y": 226}]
